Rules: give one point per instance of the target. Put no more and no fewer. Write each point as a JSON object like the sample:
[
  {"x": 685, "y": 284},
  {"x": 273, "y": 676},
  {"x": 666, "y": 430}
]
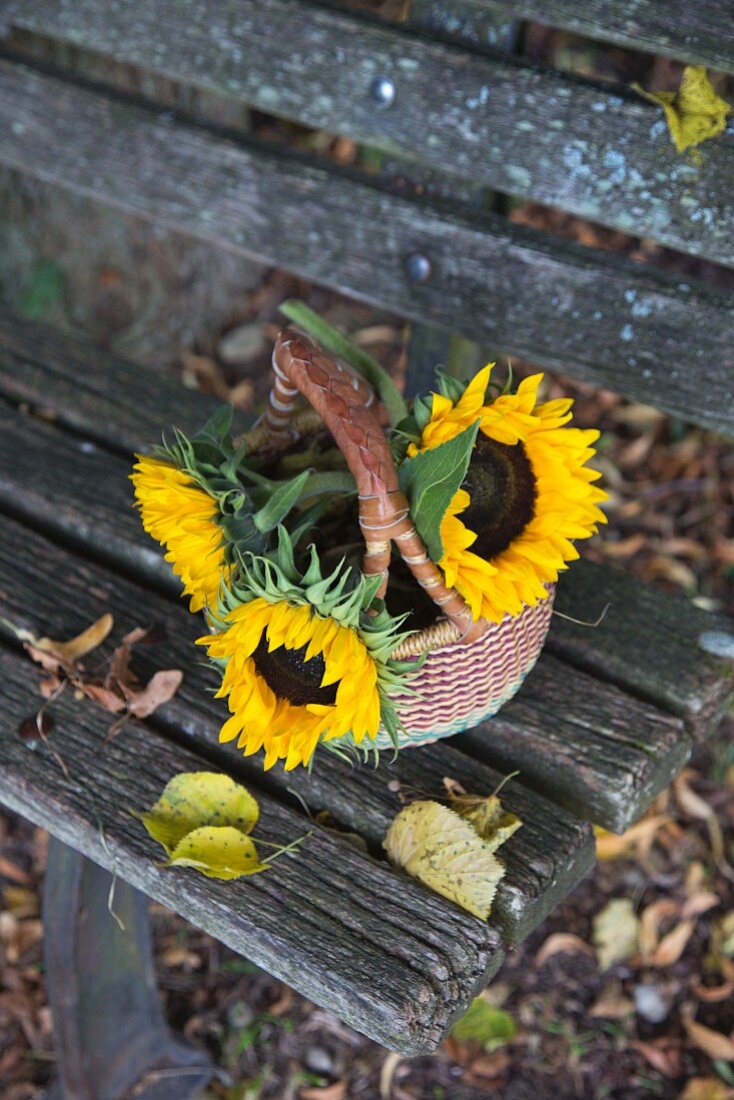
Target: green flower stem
[
  {"x": 333, "y": 341},
  {"x": 303, "y": 460}
]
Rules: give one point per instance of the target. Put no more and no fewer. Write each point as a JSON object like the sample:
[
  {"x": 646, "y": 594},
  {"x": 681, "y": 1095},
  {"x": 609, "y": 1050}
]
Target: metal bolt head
[
  {"x": 382, "y": 90},
  {"x": 418, "y": 267}
]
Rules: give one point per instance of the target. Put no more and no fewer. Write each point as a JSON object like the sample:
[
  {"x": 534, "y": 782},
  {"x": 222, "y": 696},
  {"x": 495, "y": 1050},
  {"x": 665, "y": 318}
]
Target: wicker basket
[{"x": 471, "y": 668}]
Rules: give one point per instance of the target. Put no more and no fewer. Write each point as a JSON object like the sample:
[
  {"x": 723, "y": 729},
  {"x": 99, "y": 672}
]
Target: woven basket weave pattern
[{"x": 462, "y": 685}]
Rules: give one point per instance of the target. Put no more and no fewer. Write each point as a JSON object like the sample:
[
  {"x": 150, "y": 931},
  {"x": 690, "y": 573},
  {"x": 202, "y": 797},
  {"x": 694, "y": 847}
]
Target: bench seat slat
[
  {"x": 545, "y": 859},
  {"x": 529, "y": 132},
  {"x": 649, "y": 642},
  {"x": 382, "y": 976},
  {"x": 600, "y": 316}
]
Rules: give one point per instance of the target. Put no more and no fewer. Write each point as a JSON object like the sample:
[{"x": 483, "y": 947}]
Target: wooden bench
[{"x": 608, "y": 716}]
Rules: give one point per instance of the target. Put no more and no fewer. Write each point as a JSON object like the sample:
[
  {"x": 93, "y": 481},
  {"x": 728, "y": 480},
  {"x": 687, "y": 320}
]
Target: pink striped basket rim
[{"x": 462, "y": 685}]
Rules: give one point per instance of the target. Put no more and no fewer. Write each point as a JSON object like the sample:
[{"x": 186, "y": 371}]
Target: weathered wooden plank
[
  {"x": 591, "y": 313},
  {"x": 701, "y": 33},
  {"x": 87, "y": 389},
  {"x": 546, "y": 858},
  {"x": 603, "y": 754},
  {"x": 392, "y": 959},
  {"x": 650, "y": 642},
  {"x": 601, "y": 153}
]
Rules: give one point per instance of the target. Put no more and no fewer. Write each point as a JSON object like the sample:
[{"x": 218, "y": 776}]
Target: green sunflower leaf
[
  {"x": 282, "y": 499},
  {"x": 430, "y": 480}
]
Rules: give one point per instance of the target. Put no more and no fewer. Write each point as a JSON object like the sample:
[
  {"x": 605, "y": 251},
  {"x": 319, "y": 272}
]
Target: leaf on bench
[
  {"x": 203, "y": 820},
  {"x": 452, "y": 854},
  {"x": 694, "y": 113}
]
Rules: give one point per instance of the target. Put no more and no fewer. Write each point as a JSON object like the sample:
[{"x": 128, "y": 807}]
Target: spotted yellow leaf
[
  {"x": 695, "y": 112},
  {"x": 494, "y": 824},
  {"x": 446, "y": 853},
  {"x": 194, "y": 800},
  {"x": 218, "y": 851}
]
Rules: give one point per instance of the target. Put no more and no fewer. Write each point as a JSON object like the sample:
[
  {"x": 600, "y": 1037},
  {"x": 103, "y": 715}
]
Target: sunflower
[
  {"x": 199, "y": 498},
  {"x": 527, "y": 495},
  {"x": 183, "y": 517},
  {"x": 302, "y": 662}
]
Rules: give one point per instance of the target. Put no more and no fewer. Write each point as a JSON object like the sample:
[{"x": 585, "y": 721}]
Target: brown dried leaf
[
  {"x": 712, "y": 994},
  {"x": 563, "y": 942},
  {"x": 650, "y": 921},
  {"x": 636, "y": 841},
  {"x": 46, "y": 660},
  {"x": 700, "y": 902},
  {"x": 337, "y": 1091},
  {"x": 672, "y": 946},
  {"x": 711, "y": 1042},
  {"x": 662, "y": 1054},
  {"x": 612, "y": 1004},
  {"x": 160, "y": 689},
  {"x": 695, "y": 806},
  {"x": 105, "y": 697}
]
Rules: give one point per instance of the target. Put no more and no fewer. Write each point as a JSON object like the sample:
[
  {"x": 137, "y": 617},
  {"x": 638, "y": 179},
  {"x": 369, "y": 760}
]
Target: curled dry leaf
[
  {"x": 713, "y": 994},
  {"x": 563, "y": 942},
  {"x": 717, "y": 1046},
  {"x": 68, "y": 653},
  {"x": 695, "y": 806},
  {"x": 612, "y": 1004},
  {"x": 672, "y": 945},
  {"x": 662, "y": 1054},
  {"x": 634, "y": 843},
  {"x": 160, "y": 689}
]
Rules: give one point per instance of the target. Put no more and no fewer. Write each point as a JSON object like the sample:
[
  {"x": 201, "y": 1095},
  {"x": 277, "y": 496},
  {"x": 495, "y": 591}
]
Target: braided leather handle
[{"x": 346, "y": 403}]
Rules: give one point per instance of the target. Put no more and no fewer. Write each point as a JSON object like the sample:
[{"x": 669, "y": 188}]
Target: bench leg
[{"x": 110, "y": 1034}]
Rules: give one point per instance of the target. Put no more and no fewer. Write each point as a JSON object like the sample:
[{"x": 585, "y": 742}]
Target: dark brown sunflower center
[
  {"x": 501, "y": 485},
  {"x": 290, "y": 676}
]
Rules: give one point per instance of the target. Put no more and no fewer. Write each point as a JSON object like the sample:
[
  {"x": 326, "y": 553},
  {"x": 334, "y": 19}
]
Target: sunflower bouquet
[{"x": 386, "y": 591}]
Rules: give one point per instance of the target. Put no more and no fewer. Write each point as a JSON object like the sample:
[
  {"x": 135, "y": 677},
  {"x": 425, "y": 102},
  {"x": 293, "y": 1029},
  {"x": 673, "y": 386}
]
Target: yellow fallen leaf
[
  {"x": 489, "y": 817},
  {"x": 83, "y": 643},
  {"x": 202, "y": 820},
  {"x": 193, "y": 800},
  {"x": 695, "y": 112},
  {"x": 616, "y": 932},
  {"x": 706, "y": 1088},
  {"x": 219, "y": 851},
  {"x": 443, "y": 851}
]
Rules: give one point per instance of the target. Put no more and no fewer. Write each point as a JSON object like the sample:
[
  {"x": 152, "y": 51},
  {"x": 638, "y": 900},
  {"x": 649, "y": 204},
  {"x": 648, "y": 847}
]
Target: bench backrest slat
[
  {"x": 605, "y": 318},
  {"x": 700, "y": 32},
  {"x": 531, "y": 133}
]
